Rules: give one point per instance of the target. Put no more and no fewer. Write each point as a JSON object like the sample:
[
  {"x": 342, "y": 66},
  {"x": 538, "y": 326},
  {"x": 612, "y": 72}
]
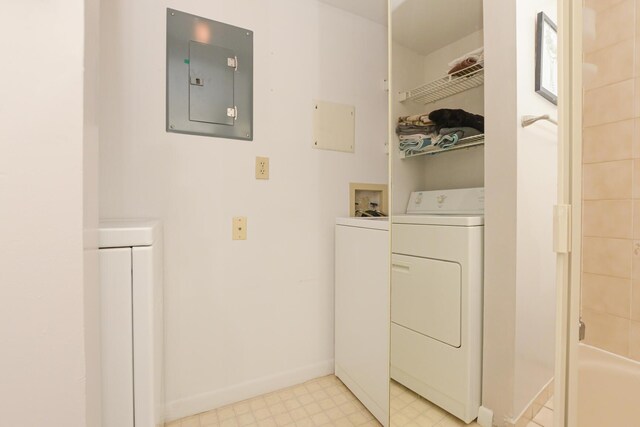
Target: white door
[
  {"x": 117, "y": 337},
  {"x": 568, "y": 236},
  {"x": 362, "y": 316}
]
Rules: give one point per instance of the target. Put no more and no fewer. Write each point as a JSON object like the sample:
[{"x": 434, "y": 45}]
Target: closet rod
[{"x": 529, "y": 120}]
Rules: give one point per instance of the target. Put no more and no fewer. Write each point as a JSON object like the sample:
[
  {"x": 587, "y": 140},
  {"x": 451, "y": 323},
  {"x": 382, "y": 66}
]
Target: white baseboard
[
  {"x": 534, "y": 406},
  {"x": 207, "y": 401},
  {"x": 485, "y": 417}
]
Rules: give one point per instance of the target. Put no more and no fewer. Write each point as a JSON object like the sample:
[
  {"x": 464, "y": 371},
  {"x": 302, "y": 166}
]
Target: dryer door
[{"x": 426, "y": 297}]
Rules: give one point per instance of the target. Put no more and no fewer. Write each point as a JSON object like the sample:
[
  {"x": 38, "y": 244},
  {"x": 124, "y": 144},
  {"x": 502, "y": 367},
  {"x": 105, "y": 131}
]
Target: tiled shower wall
[{"x": 611, "y": 176}]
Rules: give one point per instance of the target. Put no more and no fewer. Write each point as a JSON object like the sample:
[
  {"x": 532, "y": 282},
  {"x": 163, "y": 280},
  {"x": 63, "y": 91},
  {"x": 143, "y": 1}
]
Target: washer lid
[
  {"x": 469, "y": 201},
  {"x": 377, "y": 223},
  {"x": 451, "y": 220}
]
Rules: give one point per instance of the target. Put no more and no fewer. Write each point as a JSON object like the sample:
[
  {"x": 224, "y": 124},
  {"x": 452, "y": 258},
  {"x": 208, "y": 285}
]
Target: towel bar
[{"x": 529, "y": 120}]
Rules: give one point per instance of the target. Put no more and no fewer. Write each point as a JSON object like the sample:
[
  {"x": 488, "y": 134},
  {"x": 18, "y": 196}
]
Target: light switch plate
[
  {"x": 262, "y": 168},
  {"x": 239, "y": 228}
]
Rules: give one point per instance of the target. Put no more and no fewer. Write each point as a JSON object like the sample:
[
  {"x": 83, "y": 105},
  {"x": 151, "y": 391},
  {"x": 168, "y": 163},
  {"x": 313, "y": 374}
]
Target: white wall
[
  {"x": 537, "y": 194},
  {"x": 520, "y": 181},
  {"x": 242, "y": 317},
  {"x": 435, "y": 66},
  {"x": 500, "y": 208},
  {"x": 41, "y": 214}
]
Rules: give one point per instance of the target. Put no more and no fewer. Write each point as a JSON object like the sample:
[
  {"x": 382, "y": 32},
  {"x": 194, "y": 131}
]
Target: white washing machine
[{"x": 436, "y": 298}]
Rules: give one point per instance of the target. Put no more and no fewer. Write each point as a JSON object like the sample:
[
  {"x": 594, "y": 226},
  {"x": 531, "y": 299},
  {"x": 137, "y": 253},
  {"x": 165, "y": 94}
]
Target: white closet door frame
[{"x": 570, "y": 33}]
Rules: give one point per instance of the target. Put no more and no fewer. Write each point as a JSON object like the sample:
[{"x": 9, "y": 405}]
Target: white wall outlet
[
  {"x": 239, "y": 228},
  {"x": 262, "y": 168}
]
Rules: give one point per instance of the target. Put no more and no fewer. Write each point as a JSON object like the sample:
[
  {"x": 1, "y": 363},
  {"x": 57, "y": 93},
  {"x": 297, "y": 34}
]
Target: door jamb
[{"x": 569, "y": 192}]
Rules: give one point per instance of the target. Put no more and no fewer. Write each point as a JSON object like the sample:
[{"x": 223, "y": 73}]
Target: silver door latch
[
  {"x": 233, "y": 63},
  {"x": 232, "y": 112}
]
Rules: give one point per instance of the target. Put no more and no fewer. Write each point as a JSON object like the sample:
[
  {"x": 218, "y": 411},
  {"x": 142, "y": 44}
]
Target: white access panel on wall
[
  {"x": 334, "y": 126},
  {"x": 131, "y": 324}
]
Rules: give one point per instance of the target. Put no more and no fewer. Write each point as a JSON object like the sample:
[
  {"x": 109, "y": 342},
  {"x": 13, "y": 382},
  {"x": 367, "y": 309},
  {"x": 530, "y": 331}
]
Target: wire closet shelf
[{"x": 444, "y": 87}]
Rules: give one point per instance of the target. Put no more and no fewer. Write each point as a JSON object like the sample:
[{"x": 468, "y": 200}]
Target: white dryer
[{"x": 436, "y": 298}]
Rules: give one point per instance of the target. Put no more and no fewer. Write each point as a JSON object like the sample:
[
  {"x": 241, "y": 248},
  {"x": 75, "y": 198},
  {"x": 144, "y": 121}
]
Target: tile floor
[
  {"x": 408, "y": 409},
  {"x": 321, "y": 402},
  {"x": 544, "y": 418}
]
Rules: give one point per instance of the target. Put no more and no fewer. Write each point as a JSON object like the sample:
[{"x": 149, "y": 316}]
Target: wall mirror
[{"x": 436, "y": 262}]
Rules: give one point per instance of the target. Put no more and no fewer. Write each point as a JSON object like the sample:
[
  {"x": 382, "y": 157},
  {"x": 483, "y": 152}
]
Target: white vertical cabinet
[
  {"x": 132, "y": 324},
  {"x": 362, "y": 311}
]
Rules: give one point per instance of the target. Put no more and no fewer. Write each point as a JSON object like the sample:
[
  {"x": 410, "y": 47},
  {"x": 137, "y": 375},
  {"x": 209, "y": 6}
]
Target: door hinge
[
  {"x": 233, "y": 63},
  {"x": 562, "y": 229},
  {"x": 232, "y": 112},
  {"x": 197, "y": 81}
]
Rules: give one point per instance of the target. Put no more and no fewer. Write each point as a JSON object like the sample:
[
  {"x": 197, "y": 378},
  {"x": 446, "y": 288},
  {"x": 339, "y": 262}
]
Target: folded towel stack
[
  {"x": 415, "y": 132},
  {"x": 442, "y": 128},
  {"x": 458, "y": 66}
]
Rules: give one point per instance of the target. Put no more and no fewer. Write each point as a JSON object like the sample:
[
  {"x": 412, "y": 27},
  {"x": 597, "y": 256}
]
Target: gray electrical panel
[{"x": 209, "y": 77}]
